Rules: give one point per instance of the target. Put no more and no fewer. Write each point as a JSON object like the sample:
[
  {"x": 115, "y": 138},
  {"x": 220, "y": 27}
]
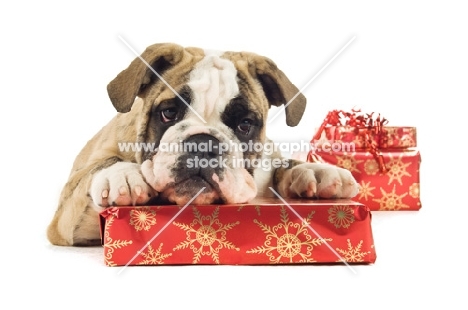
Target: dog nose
[{"x": 202, "y": 146}]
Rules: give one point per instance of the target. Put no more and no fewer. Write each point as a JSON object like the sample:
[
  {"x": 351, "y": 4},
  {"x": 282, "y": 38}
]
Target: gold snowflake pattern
[
  {"x": 371, "y": 167},
  {"x": 392, "y": 136},
  {"x": 348, "y": 162},
  {"x": 206, "y": 235},
  {"x": 352, "y": 254},
  {"x": 142, "y": 218},
  {"x": 287, "y": 239},
  {"x": 407, "y": 141},
  {"x": 397, "y": 170},
  {"x": 391, "y": 201},
  {"x": 365, "y": 190},
  {"x": 358, "y": 141},
  {"x": 110, "y": 245},
  {"x": 153, "y": 257},
  {"x": 414, "y": 190},
  {"x": 341, "y": 216},
  {"x": 391, "y": 131}
]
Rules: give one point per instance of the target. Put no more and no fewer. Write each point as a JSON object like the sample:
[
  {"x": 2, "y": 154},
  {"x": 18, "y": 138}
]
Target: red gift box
[
  {"x": 262, "y": 232},
  {"x": 385, "y": 161}
]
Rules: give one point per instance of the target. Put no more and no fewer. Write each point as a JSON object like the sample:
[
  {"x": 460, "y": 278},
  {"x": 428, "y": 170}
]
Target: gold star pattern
[
  {"x": 392, "y": 136},
  {"x": 414, "y": 190},
  {"x": 287, "y": 240},
  {"x": 110, "y": 245},
  {"x": 206, "y": 235},
  {"x": 397, "y": 170},
  {"x": 153, "y": 257},
  {"x": 358, "y": 141},
  {"x": 391, "y": 131},
  {"x": 142, "y": 218},
  {"x": 407, "y": 141},
  {"x": 341, "y": 216},
  {"x": 391, "y": 201},
  {"x": 407, "y": 136},
  {"x": 348, "y": 162},
  {"x": 352, "y": 254},
  {"x": 371, "y": 167},
  {"x": 365, "y": 190}
]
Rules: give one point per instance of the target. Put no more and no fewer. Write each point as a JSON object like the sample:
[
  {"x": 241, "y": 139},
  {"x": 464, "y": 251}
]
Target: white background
[{"x": 408, "y": 62}]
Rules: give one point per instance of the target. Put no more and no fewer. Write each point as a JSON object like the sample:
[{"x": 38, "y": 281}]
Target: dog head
[{"x": 204, "y": 112}]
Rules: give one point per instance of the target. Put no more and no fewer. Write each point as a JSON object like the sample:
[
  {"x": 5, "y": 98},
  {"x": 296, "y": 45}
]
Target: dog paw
[
  {"x": 318, "y": 180},
  {"x": 121, "y": 184}
]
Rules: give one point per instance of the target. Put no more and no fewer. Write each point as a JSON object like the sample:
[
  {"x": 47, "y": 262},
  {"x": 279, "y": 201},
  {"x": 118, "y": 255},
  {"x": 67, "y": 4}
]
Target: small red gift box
[
  {"x": 266, "y": 231},
  {"x": 390, "y": 137},
  {"x": 383, "y": 160}
]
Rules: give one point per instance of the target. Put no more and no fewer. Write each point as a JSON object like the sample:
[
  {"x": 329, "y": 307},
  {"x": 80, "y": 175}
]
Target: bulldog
[{"x": 196, "y": 120}]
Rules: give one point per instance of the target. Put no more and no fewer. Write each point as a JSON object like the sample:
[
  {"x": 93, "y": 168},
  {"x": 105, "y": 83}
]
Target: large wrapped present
[
  {"x": 268, "y": 231},
  {"x": 384, "y": 160}
]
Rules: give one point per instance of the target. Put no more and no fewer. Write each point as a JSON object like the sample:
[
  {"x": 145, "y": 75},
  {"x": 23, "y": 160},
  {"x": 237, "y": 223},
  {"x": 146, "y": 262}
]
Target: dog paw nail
[
  {"x": 312, "y": 189},
  {"x": 123, "y": 190},
  {"x": 138, "y": 190},
  {"x": 105, "y": 193}
]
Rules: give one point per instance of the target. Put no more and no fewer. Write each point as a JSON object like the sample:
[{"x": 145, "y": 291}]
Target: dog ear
[
  {"x": 279, "y": 90},
  {"x": 130, "y": 82}
]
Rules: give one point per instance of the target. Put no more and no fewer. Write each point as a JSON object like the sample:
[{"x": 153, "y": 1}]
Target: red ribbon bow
[{"x": 366, "y": 127}]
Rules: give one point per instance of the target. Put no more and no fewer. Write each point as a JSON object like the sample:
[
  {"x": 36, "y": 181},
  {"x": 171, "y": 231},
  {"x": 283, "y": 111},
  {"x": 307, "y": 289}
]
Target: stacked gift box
[{"x": 384, "y": 160}]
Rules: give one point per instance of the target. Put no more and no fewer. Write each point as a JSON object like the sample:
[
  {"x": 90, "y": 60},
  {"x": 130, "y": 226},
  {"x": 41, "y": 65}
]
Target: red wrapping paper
[
  {"x": 391, "y": 137},
  {"x": 385, "y": 161},
  {"x": 397, "y": 189},
  {"x": 261, "y": 232}
]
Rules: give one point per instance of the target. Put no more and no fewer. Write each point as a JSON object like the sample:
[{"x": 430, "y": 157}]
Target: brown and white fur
[{"x": 229, "y": 95}]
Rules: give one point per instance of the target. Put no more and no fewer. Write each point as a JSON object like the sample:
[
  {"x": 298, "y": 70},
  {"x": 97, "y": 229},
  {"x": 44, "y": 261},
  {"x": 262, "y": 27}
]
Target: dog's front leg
[
  {"x": 90, "y": 190},
  {"x": 314, "y": 180}
]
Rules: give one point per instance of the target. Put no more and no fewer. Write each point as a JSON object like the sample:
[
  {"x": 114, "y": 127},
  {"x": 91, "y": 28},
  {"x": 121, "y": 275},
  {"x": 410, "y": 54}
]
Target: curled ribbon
[{"x": 366, "y": 127}]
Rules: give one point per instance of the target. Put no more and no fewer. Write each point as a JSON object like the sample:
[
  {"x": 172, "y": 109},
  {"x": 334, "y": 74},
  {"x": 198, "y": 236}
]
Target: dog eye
[
  {"x": 168, "y": 115},
  {"x": 245, "y": 126}
]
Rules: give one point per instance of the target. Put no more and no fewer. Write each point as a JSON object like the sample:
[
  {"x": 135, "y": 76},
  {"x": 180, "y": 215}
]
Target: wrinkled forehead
[{"x": 213, "y": 83}]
